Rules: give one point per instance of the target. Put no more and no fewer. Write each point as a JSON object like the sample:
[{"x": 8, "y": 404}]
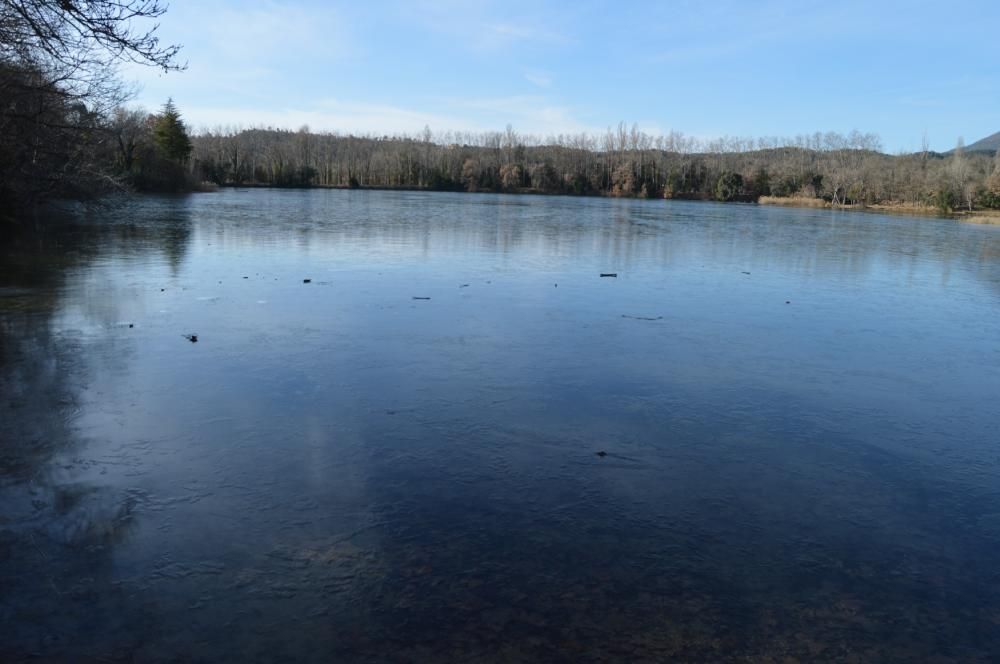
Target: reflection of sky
[
  {"x": 307, "y": 412},
  {"x": 871, "y": 298}
]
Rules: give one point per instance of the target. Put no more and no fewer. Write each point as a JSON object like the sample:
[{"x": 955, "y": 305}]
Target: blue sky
[{"x": 707, "y": 69}]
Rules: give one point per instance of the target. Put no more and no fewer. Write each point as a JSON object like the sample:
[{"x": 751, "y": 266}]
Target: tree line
[{"x": 840, "y": 169}]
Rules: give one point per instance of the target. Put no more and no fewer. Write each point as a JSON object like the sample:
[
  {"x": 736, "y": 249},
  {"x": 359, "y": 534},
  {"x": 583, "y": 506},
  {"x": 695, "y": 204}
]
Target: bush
[
  {"x": 944, "y": 200},
  {"x": 728, "y": 187},
  {"x": 511, "y": 176},
  {"x": 674, "y": 185},
  {"x": 439, "y": 181},
  {"x": 579, "y": 184},
  {"x": 760, "y": 185},
  {"x": 988, "y": 199},
  {"x": 151, "y": 171}
]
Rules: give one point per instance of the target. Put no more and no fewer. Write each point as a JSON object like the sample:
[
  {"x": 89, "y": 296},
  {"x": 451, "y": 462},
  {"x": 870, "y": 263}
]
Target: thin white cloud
[
  {"x": 922, "y": 102},
  {"x": 526, "y": 32},
  {"x": 240, "y": 51},
  {"x": 532, "y": 114},
  {"x": 328, "y": 116},
  {"x": 478, "y": 27},
  {"x": 539, "y": 78},
  {"x": 259, "y": 34},
  {"x": 528, "y": 114},
  {"x": 714, "y": 51}
]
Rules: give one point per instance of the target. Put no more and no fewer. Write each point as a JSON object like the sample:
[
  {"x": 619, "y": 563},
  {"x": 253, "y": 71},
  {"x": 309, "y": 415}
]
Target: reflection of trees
[
  {"x": 139, "y": 227},
  {"x": 39, "y": 380},
  {"x": 555, "y": 233},
  {"x": 58, "y": 531},
  {"x": 41, "y": 374}
]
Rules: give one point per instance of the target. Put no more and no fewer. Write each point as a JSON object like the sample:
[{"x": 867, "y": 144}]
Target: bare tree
[
  {"x": 959, "y": 175},
  {"x": 128, "y": 127},
  {"x": 58, "y": 82},
  {"x": 75, "y": 45}
]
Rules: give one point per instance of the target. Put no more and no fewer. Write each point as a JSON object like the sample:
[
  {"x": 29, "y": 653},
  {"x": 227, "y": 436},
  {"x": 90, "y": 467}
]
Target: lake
[{"x": 774, "y": 435}]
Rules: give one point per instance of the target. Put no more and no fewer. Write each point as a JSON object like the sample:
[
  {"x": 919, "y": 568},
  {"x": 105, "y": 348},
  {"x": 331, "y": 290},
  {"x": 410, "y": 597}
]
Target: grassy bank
[
  {"x": 989, "y": 217},
  {"x": 810, "y": 202},
  {"x": 793, "y": 201}
]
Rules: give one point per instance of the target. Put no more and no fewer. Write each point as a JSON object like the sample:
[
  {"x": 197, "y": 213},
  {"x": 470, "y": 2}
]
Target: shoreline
[{"x": 984, "y": 217}]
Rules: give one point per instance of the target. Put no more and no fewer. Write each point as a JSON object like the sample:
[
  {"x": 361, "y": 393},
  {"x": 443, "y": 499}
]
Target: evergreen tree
[
  {"x": 170, "y": 134},
  {"x": 728, "y": 187}
]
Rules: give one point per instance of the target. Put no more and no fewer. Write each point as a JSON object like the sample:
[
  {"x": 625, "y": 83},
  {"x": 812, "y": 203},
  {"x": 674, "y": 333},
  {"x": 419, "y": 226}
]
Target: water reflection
[
  {"x": 337, "y": 470},
  {"x": 60, "y": 519}
]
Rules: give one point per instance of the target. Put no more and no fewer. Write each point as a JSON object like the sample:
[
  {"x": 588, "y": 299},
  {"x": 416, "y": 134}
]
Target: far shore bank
[
  {"x": 976, "y": 216},
  {"x": 989, "y": 217}
]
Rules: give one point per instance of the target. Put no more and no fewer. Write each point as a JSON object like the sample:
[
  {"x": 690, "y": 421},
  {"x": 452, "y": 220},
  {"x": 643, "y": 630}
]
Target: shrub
[
  {"x": 728, "y": 187},
  {"x": 944, "y": 200}
]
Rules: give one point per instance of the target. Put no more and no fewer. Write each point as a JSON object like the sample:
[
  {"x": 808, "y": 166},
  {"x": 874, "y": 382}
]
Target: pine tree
[{"x": 171, "y": 135}]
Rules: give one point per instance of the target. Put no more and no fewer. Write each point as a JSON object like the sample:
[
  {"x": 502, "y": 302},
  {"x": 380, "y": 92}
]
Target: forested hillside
[
  {"x": 622, "y": 162},
  {"x": 989, "y": 144}
]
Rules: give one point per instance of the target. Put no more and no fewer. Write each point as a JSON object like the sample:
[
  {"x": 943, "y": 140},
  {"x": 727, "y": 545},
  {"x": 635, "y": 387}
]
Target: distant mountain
[{"x": 988, "y": 144}]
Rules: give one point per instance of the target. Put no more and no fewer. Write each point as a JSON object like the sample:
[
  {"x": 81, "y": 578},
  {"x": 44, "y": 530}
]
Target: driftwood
[
  {"x": 641, "y": 317},
  {"x": 415, "y": 297},
  {"x": 609, "y": 274}
]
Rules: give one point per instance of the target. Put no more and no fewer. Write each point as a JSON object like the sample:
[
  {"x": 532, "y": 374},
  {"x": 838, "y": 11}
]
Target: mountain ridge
[{"x": 989, "y": 144}]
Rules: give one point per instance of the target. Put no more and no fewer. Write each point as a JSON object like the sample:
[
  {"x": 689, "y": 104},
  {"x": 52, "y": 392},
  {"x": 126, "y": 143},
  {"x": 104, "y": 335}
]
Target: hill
[{"x": 989, "y": 144}]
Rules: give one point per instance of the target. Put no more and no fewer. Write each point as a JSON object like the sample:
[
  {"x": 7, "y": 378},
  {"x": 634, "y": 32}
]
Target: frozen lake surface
[{"x": 800, "y": 411}]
